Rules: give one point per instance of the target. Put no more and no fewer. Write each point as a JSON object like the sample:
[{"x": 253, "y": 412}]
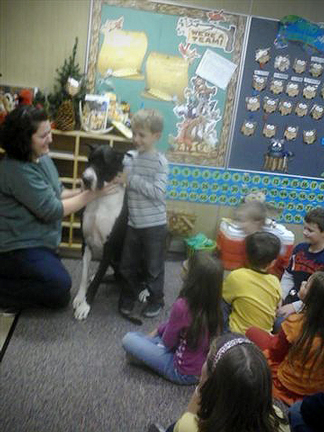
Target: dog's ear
[{"x": 91, "y": 146}]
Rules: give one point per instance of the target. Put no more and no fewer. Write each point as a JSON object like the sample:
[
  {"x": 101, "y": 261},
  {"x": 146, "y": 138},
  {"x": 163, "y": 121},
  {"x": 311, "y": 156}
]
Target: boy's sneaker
[
  {"x": 152, "y": 310},
  {"x": 126, "y": 306}
]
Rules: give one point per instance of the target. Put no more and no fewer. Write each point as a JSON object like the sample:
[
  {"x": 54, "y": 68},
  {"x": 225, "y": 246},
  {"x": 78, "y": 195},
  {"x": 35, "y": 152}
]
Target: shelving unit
[{"x": 69, "y": 152}]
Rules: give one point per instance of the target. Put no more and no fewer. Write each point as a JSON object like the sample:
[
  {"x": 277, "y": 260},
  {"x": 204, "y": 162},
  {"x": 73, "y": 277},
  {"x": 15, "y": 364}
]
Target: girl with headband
[{"x": 234, "y": 392}]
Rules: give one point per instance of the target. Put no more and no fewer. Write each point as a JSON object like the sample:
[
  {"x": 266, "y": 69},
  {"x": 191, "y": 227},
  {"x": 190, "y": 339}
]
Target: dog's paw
[
  {"x": 82, "y": 310},
  {"x": 78, "y": 300}
]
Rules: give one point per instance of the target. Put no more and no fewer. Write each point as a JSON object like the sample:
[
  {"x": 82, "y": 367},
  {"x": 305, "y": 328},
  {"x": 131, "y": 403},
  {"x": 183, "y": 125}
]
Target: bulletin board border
[{"x": 293, "y": 195}]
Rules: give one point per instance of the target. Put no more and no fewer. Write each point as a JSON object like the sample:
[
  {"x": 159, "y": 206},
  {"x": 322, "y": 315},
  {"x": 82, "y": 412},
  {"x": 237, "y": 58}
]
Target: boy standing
[
  {"x": 306, "y": 259},
  {"x": 145, "y": 175},
  {"x": 253, "y": 293}
]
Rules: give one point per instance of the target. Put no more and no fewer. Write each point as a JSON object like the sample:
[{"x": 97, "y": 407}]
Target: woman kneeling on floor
[{"x": 32, "y": 206}]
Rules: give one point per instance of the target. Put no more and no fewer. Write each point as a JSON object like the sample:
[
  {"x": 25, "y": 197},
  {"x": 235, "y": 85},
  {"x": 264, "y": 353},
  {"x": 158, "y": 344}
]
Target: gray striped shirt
[{"x": 147, "y": 176}]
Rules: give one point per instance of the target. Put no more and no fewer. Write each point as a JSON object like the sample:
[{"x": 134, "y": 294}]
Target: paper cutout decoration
[
  {"x": 248, "y": 127},
  {"x": 317, "y": 111},
  {"x": 301, "y": 109},
  {"x": 292, "y": 89},
  {"x": 299, "y": 65},
  {"x": 276, "y": 86},
  {"x": 285, "y": 107},
  {"x": 276, "y": 158},
  {"x": 166, "y": 77},
  {"x": 282, "y": 63},
  {"x": 216, "y": 69},
  {"x": 270, "y": 105},
  {"x": 262, "y": 56},
  {"x": 309, "y": 91},
  {"x": 269, "y": 130},
  {"x": 316, "y": 69},
  {"x": 309, "y": 136},
  {"x": 122, "y": 53},
  {"x": 296, "y": 29},
  {"x": 291, "y": 133},
  {"x": 259, "y": 83},
  {"x": 252, "y": 103}
]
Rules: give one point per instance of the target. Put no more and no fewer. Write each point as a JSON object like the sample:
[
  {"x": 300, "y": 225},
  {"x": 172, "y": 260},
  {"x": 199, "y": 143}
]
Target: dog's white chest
[{"x": 98, "y": 220}]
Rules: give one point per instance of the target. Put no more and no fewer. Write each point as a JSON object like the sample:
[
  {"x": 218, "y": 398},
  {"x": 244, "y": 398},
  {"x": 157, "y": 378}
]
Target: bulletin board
[
  {"x": 282, "y": 98},
  {"x": 158, "y": 56}
]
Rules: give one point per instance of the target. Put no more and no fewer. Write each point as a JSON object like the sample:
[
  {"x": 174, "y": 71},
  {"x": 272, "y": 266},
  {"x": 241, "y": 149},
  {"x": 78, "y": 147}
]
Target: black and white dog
[{"x": 104, "y": 224}]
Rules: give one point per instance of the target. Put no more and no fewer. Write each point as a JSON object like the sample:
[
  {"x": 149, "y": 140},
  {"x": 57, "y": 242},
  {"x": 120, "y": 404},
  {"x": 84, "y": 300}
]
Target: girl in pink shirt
[{"x": 177, "y": 349}]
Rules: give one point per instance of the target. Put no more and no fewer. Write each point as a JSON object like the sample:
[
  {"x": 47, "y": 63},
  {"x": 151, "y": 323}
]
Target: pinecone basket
[{"x": 65, "y": 118}]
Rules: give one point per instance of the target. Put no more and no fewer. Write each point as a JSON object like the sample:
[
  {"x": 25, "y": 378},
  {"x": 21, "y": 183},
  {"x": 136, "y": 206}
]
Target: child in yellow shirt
[{"x": 252, "y": 294}]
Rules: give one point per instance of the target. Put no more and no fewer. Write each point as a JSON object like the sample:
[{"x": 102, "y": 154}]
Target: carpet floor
[{"x": 62, "y": 375}]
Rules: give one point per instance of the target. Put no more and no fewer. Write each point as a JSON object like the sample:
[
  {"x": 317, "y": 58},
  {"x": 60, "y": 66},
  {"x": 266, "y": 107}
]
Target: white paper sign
[{"x": 216, "y": 69}]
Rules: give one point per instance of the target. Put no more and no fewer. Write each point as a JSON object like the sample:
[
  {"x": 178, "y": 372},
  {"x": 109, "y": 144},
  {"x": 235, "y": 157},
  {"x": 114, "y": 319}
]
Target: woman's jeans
[
  {"x": 33, "y": 277},
  {"x": 151, "y": 351}
]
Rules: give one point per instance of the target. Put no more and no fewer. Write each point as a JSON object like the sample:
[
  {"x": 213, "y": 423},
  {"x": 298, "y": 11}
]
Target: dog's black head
[{"x": 104, "y": 164}]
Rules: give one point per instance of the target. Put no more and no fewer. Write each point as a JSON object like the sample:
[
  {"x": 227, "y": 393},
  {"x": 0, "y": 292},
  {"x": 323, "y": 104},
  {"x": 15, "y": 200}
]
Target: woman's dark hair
[
  {"x": 237, "y": 395},
  {"x": 202, "y": 289},
  {"x": 313, "y": 324},
  {"x": 17, "y": 130}
]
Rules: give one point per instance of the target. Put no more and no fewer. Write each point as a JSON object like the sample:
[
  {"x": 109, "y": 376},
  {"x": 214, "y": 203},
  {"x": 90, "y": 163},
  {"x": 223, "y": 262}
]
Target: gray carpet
[{"x": 59, "y": 374}]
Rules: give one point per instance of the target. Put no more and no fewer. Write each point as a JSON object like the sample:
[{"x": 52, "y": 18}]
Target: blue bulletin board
[{"x": 282, "y": 76}]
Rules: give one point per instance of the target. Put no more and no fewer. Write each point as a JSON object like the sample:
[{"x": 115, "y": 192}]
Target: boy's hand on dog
[{"x": 121, "y": 178}]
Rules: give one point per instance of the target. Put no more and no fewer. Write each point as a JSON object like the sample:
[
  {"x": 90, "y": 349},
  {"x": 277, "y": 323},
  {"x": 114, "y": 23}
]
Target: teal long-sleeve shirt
[{"x": 31, "y": 209}]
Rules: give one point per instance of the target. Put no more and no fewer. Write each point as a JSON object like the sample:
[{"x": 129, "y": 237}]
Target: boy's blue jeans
[
  {"x": 143, "y": 262},
  {"x": 33, "y": 277},
  {"x": 151, "y": 352}
]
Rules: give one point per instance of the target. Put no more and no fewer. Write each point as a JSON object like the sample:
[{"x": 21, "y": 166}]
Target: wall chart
[{"x": 179, "y": 60}]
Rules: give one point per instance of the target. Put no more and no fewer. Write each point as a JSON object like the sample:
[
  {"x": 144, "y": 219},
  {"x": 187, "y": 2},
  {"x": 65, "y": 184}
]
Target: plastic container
[
  {"x": 231, "y": 243},
  {"x": 199, "y": 243}
]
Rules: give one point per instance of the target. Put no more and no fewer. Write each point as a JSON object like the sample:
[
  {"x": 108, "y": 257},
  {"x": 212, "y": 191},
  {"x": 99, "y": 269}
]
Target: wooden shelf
[
  {"x": 82, "y": 134},
  {"x": 65, "y": 155}
]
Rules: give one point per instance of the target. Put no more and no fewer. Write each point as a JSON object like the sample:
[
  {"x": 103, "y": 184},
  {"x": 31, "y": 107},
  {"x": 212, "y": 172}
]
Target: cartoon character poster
[{"x": 149, "y": 56}]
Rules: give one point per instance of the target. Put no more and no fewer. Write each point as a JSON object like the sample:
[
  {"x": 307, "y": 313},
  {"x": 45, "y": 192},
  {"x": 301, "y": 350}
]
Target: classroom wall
[{"x": 37, "y": 35}]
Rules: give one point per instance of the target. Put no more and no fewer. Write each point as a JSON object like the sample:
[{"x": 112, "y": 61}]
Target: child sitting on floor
[
  {"x": 296, "y": 353},
  {"x": 251, "y": 294},
  {"x": 306, "y": 258},
  {"x": 178, "y": 348},
  {"x": 234, "y": 392}
]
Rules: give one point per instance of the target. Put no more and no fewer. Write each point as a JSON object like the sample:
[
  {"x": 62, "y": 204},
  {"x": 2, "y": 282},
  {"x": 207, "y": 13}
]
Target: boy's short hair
[
  {"x": 261, "y": 249},
  {"x": 150, "y": 119},
  {"x": 316, "y": 216}
]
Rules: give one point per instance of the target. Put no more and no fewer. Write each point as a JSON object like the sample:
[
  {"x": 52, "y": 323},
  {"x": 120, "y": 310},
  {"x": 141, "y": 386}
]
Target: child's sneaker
[{"x": 152, "y": 310}]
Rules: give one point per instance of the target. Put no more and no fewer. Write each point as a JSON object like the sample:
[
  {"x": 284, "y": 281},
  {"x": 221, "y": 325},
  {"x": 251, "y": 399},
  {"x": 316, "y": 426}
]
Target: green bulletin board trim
[{"x": 215, "y": 186}]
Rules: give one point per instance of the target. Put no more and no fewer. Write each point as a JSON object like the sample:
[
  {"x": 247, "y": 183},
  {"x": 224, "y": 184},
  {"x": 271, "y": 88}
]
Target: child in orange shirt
[{"x": 296, "y": 354}]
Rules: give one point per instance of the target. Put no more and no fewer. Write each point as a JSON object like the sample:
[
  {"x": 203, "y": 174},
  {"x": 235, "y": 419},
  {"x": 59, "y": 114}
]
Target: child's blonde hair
[
  {"x": 150, "y": 119},
  {"x": 254, "y": 211}
]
